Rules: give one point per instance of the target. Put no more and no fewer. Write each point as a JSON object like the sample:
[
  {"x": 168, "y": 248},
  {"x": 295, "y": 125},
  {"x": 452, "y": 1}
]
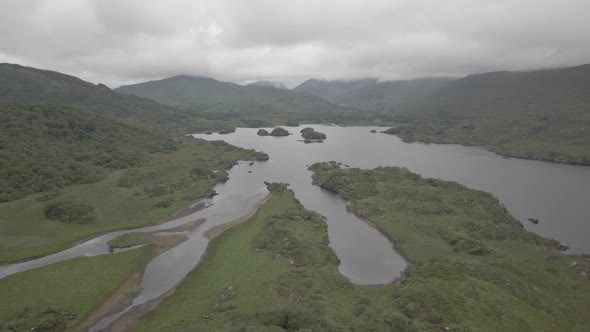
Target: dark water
[{"x": 556, "y": 194}]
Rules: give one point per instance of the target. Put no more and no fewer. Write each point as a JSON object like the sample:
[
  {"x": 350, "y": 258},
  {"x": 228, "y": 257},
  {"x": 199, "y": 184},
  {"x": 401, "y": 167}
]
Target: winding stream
[{"x": 555, "y": 194}]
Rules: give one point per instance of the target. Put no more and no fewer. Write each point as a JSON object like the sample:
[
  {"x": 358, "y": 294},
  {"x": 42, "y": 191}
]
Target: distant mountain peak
[{"x": 271, "y": 84}]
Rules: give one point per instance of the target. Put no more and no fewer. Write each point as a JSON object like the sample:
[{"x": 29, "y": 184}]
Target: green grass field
[
  {"x": 40, "y": 298},
  {"x": 124, "y": 199}
]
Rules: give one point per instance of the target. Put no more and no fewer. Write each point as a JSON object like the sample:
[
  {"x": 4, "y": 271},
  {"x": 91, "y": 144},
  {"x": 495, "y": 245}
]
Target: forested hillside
[
  {"x": 372, "y": 94},
  {"x": 542, "y": 114},
  {"x": 31, "y": 86},
  {"x": 44, "y": 148},
  {"x": 207, "y": 94}
]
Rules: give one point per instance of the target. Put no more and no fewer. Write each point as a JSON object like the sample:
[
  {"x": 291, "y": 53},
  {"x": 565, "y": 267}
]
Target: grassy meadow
[
  {"x": 57, "y": 297},
  {"x": 128, "y": 198}
]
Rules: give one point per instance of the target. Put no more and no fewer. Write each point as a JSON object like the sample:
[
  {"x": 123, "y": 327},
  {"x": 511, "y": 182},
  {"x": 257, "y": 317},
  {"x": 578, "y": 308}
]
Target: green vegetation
[
  {"x": 312, "y": 136},
  {"x": 541, "y": 115},
  {"x": 372, "y": 95},
  {"x": 279, "y": 132},
  {"x": 227, "y": 102},
  {"x": 473, "y": 265},
  {"x": 129, "y": 198},
  {"x": 227, "y": 131},
  {"x": 130, "y": 240},
  {"x": 277, "y": 187},
  {"x": 274, "y": 273},
  {"x": 57, "y": 297},
  {"x": 207, "y": 94},
  {"x": 70, "y": 212},
  {"x": 262, "y": 132},
  {"x": 28, "y": 85},
  {"x": 45, "y": 148}
]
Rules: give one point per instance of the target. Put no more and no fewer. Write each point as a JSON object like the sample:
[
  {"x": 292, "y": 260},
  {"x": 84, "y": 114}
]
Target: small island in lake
[
  {"x": 262, "y": 132},
  {"x": 280, "y": 132},
  {"x": 312, "y": 136}
]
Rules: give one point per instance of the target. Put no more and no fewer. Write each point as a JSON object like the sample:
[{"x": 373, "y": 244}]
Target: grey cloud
[{"x": 119, "y": 42}]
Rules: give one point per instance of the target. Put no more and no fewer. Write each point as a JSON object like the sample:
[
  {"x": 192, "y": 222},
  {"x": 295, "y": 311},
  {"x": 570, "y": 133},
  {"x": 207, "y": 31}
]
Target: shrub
[
  {"x": 71, "y": 212},
  {"x": 164, "y": 203},
  {"x": 39, "y": 319}
]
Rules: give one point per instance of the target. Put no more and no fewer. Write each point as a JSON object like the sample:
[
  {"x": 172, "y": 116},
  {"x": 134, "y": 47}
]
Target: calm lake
[{"x": 557, "y": 195}]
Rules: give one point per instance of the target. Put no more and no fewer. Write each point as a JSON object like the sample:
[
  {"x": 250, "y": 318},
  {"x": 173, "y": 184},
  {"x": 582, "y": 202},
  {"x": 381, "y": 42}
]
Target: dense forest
[{"x": 44, "y": 148}]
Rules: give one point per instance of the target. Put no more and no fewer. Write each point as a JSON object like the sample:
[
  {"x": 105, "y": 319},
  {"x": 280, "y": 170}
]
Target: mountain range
[
  {"x": 540, "y": 114},
  {"x": 207, "y": 94},
  {"x": 372, "y": 94}
]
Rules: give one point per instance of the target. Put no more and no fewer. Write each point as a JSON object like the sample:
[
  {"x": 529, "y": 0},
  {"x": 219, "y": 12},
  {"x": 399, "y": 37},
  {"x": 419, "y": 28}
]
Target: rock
[
  {"x": 373, "y": 131},
  {"x": 251, "y": 163},
  {"x": 249, "y": 171},
  {"x": 563, "y": 247},
  {"x": 533, "y": 220}
]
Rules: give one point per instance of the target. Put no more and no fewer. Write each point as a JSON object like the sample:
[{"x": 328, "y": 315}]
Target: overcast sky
[{"x": 125, "y": 41}]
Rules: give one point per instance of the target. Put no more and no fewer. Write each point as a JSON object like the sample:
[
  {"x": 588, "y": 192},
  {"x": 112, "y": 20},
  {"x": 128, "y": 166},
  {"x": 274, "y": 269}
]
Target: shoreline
[
  {"x": 132, "y": 316},
  {"x": 128, "y": 290},
  {"x": 216, "y": 231},
  {"x": 500, "y": 153}
]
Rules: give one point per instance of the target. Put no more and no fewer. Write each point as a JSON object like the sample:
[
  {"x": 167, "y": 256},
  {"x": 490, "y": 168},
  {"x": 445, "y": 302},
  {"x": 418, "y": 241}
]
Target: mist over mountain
[
  {"x": 372, "y": 94},
  {"x": 208, "y": 94},
  {"x": 271, "y": 84},
  {"x": 543, "y": 114}
]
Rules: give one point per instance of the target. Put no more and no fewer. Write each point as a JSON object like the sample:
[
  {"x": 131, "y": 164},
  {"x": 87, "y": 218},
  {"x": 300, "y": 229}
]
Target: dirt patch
[
  {"x": 165, "y": 242},
  {"x": 184, "y": 227},
  {"x": 118, "y": 301},
  {"x": 185, "y": 211}
]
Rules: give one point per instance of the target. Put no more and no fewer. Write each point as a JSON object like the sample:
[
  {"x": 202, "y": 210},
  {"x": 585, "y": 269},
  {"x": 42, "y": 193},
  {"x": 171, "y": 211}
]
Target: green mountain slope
[
  {"x": 207, "y": 94},
  {"x": 28, "y": 85},
  {"x": 541, "y": 114},
  {"x": 44, "y": 148},
  {"x": 372, "y": 95}
]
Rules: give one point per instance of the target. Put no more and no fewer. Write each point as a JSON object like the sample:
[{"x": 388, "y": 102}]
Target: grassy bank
[
  {"x": 274, "y": 273},
  {"x": 124, "y": 199},
  {"x": 474, "y": 268},
  {"x": 59, "y": 296},
  {"x": 517, "y": 138}
]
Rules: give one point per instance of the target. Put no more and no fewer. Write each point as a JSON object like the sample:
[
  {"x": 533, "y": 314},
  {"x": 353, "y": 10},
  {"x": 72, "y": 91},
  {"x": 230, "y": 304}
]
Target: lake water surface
[{"x": 556, "y": 194}]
